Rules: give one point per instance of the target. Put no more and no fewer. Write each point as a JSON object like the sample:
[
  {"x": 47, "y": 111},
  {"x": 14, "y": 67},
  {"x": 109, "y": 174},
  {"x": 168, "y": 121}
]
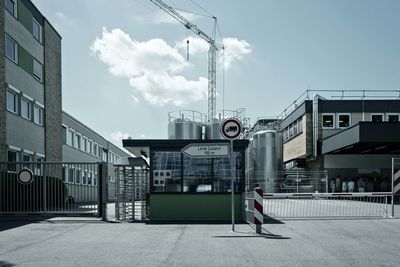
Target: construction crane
[{"x": 212, "y": 54}]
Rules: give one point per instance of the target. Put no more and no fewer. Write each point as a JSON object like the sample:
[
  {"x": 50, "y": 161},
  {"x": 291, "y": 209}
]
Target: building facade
[
  {"x": 30, "y": 78},
  {"x": 347, "y": 137}
]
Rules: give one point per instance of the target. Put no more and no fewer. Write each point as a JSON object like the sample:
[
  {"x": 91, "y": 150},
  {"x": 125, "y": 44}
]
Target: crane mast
[{"x": 212, "y": 54}]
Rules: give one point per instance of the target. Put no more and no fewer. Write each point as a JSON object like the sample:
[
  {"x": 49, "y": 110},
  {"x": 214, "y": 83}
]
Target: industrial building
[
  {"x": 350, "y": 134},
  {"x": 33, "y": 126}
]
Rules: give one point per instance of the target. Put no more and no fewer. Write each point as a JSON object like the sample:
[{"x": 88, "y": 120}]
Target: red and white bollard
[{"x": 258, "y": 209}]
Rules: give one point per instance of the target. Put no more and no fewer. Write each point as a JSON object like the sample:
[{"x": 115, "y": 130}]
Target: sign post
[{"x": 231, "y": 129}]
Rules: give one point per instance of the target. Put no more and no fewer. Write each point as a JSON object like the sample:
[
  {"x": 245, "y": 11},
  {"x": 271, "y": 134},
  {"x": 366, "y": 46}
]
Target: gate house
[{"x": 185, "y": 188}]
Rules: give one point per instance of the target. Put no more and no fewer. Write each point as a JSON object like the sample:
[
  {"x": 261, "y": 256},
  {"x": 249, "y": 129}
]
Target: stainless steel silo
[
  {"x": 185, "y": 124},
  {"x": 267, "y": 159},
  {"x": 213, "y": 131}
]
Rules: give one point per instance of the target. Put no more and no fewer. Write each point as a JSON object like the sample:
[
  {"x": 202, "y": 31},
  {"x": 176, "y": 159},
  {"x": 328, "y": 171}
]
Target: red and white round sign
[{"x": 231, "y": 128}]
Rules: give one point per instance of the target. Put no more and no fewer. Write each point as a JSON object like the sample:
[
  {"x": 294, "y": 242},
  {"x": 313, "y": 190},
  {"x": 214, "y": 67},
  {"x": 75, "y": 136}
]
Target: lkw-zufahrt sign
[
  {"x": 206, "y": 150},
  {"x": 231, "y": 128}
]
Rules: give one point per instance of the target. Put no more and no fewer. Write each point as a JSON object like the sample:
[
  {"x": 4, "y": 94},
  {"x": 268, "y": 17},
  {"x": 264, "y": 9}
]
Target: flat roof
[
  {"x": 365, "y": 138},
  {"x": 140, "y": 147}
]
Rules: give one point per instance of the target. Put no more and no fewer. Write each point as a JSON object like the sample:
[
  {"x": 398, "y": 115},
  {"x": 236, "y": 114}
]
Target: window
[
  {"x": 10, "y": 6},
  {"x": 12, "y": 156},
  {"x": 393, "y": 117},
  {"x": 290, "y": 130},
  {"x": 300, "y": 125},
  {"x": 89, "y": 148},
  {"x": 11, "y": 49},
  {"x": 12, "y": 101},
  {"x": 37, "y": 70},
  {"x": 377, "y": 117},
  {"x": 71, "y": 174},
  {"x": 26, "y": 157},
  {"x": 70, "y": 139},
  {"x": 64, "y": 173},
  {"x": 37, "y": 30},
  {"x": 295, "y": 130},
  {"x": 95, "y": 148},
  {"x": 84, "y": 177},
  {"x": 100, "y": 154},
  {"x": 38, "y": 115},
  {"x": 78, "y": 176},
  {"x": 26, "y": 109},
  {"x": 328, "y": 121},
  {"x": 64, "y": 134},
  {"x": 89, "y": 177},
  {"x": 77, "y": 143},
  {"x": 343, "y": 120},
  {"x": 84, "y": 144},
  {"x": 38, "y": 168}
]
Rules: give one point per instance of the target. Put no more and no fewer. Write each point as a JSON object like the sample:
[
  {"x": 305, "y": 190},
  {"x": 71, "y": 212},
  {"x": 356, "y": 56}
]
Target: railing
[
  {"x": 44, "y": 188},
  {"x": 327, "y": 205},
  {"x": 288, "y": 181}
]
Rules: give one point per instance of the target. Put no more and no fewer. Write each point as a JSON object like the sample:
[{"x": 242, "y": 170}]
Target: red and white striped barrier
[
  {"x": 258, "y": 208},
  {"x": 396, "y": 181}
]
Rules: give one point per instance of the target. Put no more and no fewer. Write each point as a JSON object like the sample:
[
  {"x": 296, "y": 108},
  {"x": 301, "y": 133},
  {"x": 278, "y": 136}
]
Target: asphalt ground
[{"x": 373, "y": 242}]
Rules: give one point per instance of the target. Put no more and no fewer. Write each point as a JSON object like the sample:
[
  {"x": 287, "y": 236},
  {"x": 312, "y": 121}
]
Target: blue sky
[{"x": 123, "y": 69}]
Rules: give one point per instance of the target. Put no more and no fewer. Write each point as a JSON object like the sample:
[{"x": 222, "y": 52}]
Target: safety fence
[
  {"x": 43, "y": 188},
  {"x": 328, "y": 205},
  {"x": 289, "y": 181}
]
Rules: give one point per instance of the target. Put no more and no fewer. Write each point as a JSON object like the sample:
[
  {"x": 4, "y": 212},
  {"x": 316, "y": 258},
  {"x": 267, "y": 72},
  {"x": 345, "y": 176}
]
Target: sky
[{"x": 124, "y": 65}]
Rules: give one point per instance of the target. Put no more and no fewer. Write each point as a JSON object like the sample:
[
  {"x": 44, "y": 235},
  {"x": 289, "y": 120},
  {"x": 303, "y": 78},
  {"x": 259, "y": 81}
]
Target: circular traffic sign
[
  {"x": 231, "y": 128},
  {"x": 25, "y": 176}
]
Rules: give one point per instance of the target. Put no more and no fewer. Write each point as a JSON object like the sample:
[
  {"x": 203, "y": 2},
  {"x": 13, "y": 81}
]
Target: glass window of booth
[{"x": 174, "y": 172}]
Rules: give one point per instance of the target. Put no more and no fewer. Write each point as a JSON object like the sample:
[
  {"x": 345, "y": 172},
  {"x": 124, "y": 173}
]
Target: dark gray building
[{"x": 30, "y": 75}]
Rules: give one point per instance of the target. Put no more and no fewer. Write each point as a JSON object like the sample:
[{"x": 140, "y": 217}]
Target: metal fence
[
  {"x": 44, "y": 188},
  {"x": 327, "y": 205},
  {"x": 289, "y": 181},
  {"x": 131, "y": 190}
]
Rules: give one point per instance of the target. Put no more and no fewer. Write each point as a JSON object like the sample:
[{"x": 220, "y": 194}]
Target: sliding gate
[
  {"x": 131, "y": 189},
  {"x": 43, "y": 188}
]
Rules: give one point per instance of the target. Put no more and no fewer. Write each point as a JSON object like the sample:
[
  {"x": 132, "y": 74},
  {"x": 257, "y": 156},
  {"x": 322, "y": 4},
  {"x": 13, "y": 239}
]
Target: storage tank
[
  {"x": 267, "y": 160},
  {"x": 213, "y": 131},
  {"x": 185, "y": 124}
]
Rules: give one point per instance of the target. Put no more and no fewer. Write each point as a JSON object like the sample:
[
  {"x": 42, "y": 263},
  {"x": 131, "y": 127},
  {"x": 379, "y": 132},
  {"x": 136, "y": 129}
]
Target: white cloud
[
  {"x": 196, "y": 45},
  {"x": 235, "y": 49},
  {"x": 117, "y": 137},
  {"x": 154, "y": 68}
]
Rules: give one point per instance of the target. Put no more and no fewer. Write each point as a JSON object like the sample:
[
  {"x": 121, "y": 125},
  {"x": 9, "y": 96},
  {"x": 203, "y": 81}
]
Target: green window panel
[
  {"x": 25, "y": 60},
  {"x": 25, "y": 16}
]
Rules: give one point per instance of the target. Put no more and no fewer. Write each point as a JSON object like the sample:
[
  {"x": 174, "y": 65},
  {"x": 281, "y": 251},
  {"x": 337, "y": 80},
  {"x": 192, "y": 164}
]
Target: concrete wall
[
  {"x": 3, "y": 107},
  {"x": 53, "y": 98}
]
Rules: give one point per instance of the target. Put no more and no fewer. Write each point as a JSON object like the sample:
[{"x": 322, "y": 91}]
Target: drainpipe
[{"x": 315, "y": 126}]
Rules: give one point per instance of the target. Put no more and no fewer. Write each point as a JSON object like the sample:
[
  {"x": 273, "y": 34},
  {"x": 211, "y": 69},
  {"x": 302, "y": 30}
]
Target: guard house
[{"x": 187, "y": 188}]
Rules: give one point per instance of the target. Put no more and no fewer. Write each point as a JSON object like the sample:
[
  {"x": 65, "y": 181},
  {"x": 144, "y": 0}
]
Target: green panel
[
  {"x": 25, "y": 60},
  {"x": 194, "y": 207},
  {"x": 25, "y": 16}
]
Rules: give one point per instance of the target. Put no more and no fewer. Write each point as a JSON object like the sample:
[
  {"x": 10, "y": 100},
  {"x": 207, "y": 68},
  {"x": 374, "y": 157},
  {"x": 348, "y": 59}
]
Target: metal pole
[
  {"x": 232, "y": 188},
  {"x": 392, "y": 187}
]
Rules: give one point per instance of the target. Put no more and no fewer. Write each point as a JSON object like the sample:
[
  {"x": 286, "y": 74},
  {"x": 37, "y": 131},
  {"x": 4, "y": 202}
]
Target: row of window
[
  {"x": 18, "y": 155},
  {"x": 37, "y": 29},
  {"x": 23, "y": 105},
  {"x": 79, "y": 176},
  {"x": 84, "y": 144},
  {"x": 11, "y": 47},
  {"x": 343, "y": 120},
  {"x": 293, "y": 129}
]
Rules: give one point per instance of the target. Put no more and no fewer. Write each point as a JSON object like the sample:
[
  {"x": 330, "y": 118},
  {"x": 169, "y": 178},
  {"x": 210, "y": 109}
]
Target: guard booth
[{"x": 182, "y": 188}]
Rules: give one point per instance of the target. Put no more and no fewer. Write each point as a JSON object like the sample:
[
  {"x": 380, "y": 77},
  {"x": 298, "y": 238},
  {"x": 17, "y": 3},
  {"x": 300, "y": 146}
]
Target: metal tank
[
  {"x": 267, "y": 159},
  {"x": 185, "y": 124},
  {"x": 213, "y": 131}
]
